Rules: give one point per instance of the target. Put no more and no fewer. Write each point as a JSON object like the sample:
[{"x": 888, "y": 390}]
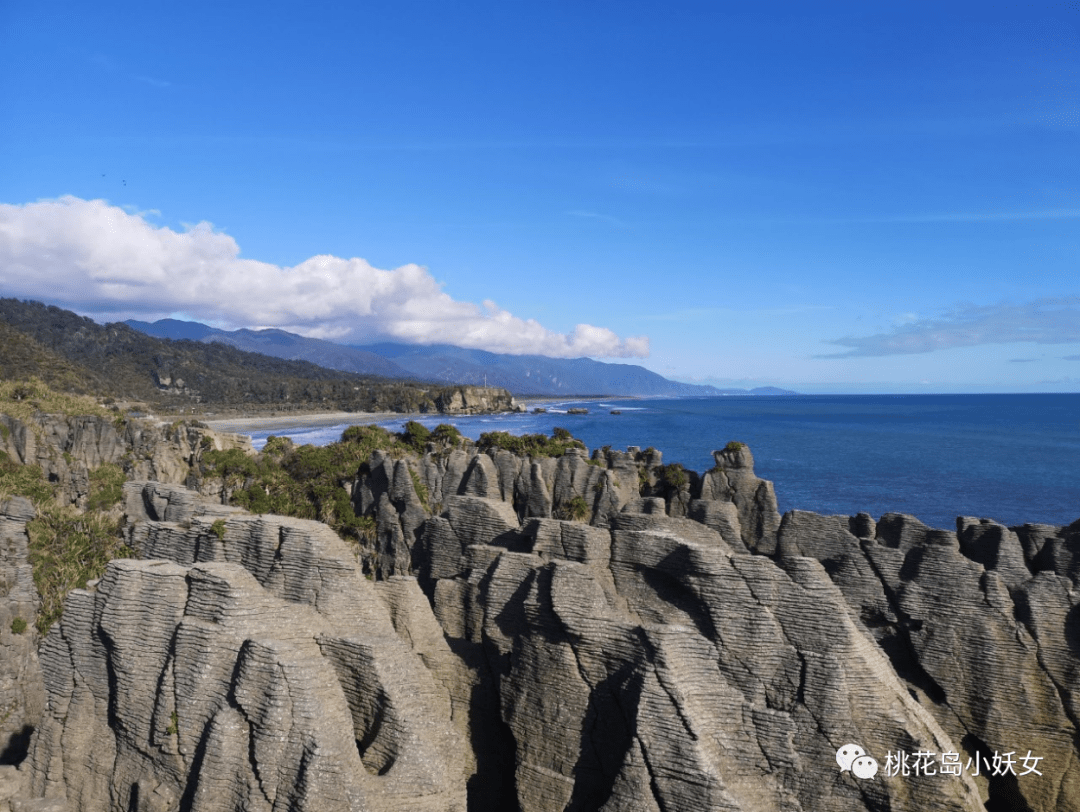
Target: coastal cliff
[
  {"x": 535, "y": 632},
  {"x": 62, "y": 458},
  {"x": 67, "y": 448},
  {"x": 474, "y": 400}
]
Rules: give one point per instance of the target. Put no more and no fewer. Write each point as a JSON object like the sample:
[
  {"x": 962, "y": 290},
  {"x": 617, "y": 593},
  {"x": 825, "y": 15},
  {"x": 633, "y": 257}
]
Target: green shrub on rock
[
  {"x": 277, "y": 447},
  {"x": 415, "y": 436},
  {"x": 68, "y": 549},
  {"x": 576, "y": 509},
  {"x": 445, "y": 434},
  {"x": 673, "y": 475},
  {"x": 420, "y": 488},
  {"x": 532, "y": 445}
]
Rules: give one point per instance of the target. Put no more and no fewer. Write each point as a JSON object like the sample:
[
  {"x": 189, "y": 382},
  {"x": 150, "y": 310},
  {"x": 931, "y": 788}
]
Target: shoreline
[
  {"x": 245, "y": 424},
  {"x": 260, "y": 421}
]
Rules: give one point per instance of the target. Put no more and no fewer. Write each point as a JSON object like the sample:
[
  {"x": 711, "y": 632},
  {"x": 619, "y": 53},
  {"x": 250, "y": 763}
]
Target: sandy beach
[{"x": 246, "y": 424}]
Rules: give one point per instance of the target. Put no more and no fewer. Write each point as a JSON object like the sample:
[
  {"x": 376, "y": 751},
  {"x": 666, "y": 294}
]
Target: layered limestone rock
[
  {"x": 678, "y": 646},
  {"x": 982, "y": 629},
  {"x": 731, "y": 499},
  {"x": 245, "y": 664},
  {"x": 22, "y": 694},
  {"x": 475, "y": 400},
  {"x": 68, "y": 447},
  {"x": 647, "y": 666},
  {"x": 733, "y": 481}
]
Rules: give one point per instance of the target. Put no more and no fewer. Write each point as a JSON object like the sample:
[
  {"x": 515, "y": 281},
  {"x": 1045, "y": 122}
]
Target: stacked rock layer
[{"x": 681, "y": 647}]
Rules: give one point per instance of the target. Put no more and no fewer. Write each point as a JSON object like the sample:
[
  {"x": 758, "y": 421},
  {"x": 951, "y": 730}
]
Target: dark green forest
[{"x": 75, "y": 354}]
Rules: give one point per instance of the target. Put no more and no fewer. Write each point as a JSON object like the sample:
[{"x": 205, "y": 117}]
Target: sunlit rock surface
[{"x": 675, "y": 645}]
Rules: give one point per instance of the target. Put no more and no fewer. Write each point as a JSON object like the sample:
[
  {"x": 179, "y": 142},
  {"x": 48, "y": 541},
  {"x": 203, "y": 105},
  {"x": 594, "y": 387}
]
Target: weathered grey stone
[
  {"x": 995, "y": 547},
  {"x": 22, "y": 693},
  {"x": 570, "y": 541},
  {"x": 643, "y": 662},
  {"x": 476, "y": 520},
  {"x": 538, "y": 501},
  {"x": 733, "y": 480},
  {"x": 481, "y": 479},
  {"x": 393, "y": 555},
  {"x": 723, "y": 517},
  {"x": 959, "y": 613},
  {"x": 68, "y": 447},
  {"x": 230, "y": 683}
]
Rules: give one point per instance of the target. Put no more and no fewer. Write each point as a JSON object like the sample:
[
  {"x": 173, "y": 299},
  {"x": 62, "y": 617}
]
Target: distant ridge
[
  {"x": 535, "y": 375},
  {"x": 172, "y": 328},
  {"x": 280, "y": 344},
  {"x": 74, "y": 353}
]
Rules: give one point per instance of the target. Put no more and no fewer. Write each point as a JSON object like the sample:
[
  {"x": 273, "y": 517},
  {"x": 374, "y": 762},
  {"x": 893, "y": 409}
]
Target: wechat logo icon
[{"x": 854, "y": 758}]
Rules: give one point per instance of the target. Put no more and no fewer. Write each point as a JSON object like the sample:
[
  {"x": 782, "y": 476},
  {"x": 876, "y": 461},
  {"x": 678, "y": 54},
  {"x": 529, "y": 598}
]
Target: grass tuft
[
  {"x": 106, "y": 487},
  {"x": 68, "y": 549}
]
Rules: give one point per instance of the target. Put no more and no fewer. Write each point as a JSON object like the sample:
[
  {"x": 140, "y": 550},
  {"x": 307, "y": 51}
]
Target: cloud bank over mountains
[
  {"x": 1043, "y": 321},
  {"x": 103, "y": 261}
]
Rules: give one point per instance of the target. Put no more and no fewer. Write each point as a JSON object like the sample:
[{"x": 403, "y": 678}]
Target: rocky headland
[{"x": 515, "y": 630}]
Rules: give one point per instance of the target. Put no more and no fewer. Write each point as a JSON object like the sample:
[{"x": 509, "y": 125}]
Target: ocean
[{"x": 1011, "y": 458}]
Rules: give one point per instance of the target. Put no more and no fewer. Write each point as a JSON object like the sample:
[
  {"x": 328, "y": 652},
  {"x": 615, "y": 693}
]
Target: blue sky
[{"x": 843, "y": 197}]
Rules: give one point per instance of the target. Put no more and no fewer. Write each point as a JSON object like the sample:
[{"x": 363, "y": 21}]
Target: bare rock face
[
  {"x": 22, "y": 693},
  {"x": 733, "y": 480},
  {"x": 677, "y": 648},
  {"x": 731, "y": 498},
  {"x": 983, "y": 635},
  {"x": 247, "y": 665},
  {"x": 67, "y": 448},
  {"x": 646, "y": 666},
  {"x": 475, "y": 400}
]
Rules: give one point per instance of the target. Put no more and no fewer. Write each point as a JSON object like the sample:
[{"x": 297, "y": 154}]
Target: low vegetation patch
[
  {"x": 673, "y": 475},
  {"x": 420, "y": 488},
  {"x": 532, "y": 445},
  {"x": 23, "y": 480},
  {"x": 313, "y": 482},
  {"x": 68, "y": 549},
  {"x": 576, "y": 509},
  {"x": 106, "y": 487},
  {"x": 447, "y": 435},
  {"x": 23, "y": 399},
  {"x": 415, "y": 436}
]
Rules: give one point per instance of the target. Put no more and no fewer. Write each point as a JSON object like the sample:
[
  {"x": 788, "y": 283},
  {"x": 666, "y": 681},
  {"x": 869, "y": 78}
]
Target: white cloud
[
  {"x": 103, "y": 261},
  {"x": 1043, "y": 321}
]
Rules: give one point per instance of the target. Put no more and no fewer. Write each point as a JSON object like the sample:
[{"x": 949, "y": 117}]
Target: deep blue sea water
[{"x": 1012, "y": 458}]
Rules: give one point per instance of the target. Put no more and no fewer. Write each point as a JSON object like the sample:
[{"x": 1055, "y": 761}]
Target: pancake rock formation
[{"x": 563, "y": 633}]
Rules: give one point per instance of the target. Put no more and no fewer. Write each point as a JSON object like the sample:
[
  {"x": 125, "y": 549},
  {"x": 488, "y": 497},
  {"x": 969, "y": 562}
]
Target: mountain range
[
  {"x": 72, "y": 353},
  {"x": 535, "y": 375}
]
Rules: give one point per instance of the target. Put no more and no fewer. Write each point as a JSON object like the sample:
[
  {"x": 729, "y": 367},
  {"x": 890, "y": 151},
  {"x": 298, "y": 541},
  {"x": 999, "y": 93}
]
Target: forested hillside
[{"x": 75, "y": 353}]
